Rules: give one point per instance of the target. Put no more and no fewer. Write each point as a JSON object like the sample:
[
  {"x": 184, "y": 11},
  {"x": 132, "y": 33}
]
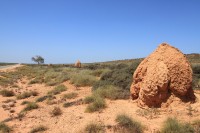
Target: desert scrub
[
  {"x": 171, "y": 125},
  {"x": 30, "y": 106},
  {"x": 4, "y": 128},
  {"x": 81, "y": 79},
  {"x": 99, "y": 72},
  {"x": 56, "y": 111},
  {"x": 95, "y": 128},
  {"x": 27, "y": 94},
  {"x": 98, "y": 104},
  {"x": 25, "y": 102},
  {"x": 71, "y": 95},
  {"x": 5, "y": 82},
  {"x": 196, "y": 125},
  {"x": 37, "y": 129},
  {"x": 57, "y": 90},
  {"x": 55, "y": 77},
  {"x": 7, "y": 93},
  {"x": 89, "y": 99},
  {"x": 127, "y": 125},
  {"x": 43, "y": 98},
  {"x": 37, "y": 80},
  {"x": 111, "y": 92},
  {"x": 120, "y": 76}
]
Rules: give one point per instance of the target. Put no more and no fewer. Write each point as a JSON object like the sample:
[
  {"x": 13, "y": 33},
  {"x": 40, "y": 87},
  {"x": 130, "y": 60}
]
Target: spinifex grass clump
[
  {"x": 95, "y": 128},
  {"x": 43, "y": 98},
  {"x": 37, "y": 129},
  {"x": 30, "y": 106},
  {"x": 4, "y": 128},
  {"x": 127, "y": 125},
  {"x": 97, "y": 105},
  {"x": 89, "y": 99},
  {"x": 57, "y": 90},
  {"x": 71, "y": 95},
  {"x": 27, "y": 94},
  {"x": 196, "y": 125},
  {"x": 111, "y": 92},
  {"x": 7, "y": 93},
  {"x": 172, "y": 125}
]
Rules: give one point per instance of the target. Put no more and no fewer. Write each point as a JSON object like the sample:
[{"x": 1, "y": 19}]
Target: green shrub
[
  {"x": 30, "y": 106},
  {"x": 196, "y": 125},
  {"x": 4, "y": 128},
  {"x": 56, "y": 111},
  {"x": 172, "y": 125},
  {"x": 89, "y": 99},
  {"x": 99, "y": 72},
  {"x": 83, "y": 80},
  {"x": 121, "y": 78},
  {"x": 25, "y": 102},
  {"x": 7, "y": 93},
  {"x": 58, "y": 90},
  {"x": 67, "y": 104},
  {"x": 98, "y": 104},
  {"x": 37, "y": 80},
  {"x": 41, "y": 99},
  {"x": 38, "y": 129},
  {"x": 5, "y": 82},
  {"x": 100, "y": 83},
  {"x": 120, "y": 75},
  {"x": 27, "y": 94},
  {"x": 128, "y": 125},
  {"x": 71, "y": 95},
  {"x": 112, "y": 92},
  {"x": 196, "y": 68},
  {"x": 95, "y": 128},
  {"x": 55, "y": 77}
]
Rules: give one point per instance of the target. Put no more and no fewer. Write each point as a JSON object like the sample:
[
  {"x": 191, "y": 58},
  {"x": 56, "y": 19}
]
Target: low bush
[
  {"x": 27, "y": 94},
  {"x": 41, "y": 99},
  {"x": 56, "y": 111},
  {"x": 7, "y": 93},
  {"x": 99, "y": 72},
  {"x": 68, "y": 104},
  {"x": 25, "y": 102},
  {"x": 95, "y": 128},
  {"x": 128, "y": 125},
  {"x": 57, "y": 90},
  {"x": 30, "y": 106},
  {"x": 112, "y": 92},
  {"x": 38, "y": 129},
  {"x": 89, "y": 99},
  {"x": 172, "y": 125},
  {"x": 4, "y": 128},
  {"x": 98, "y": 104},
  {"x": 83, "y": 80},
  {"x": 196, "y": 68},
  {"x": 196, "y": 125},
  {"x": 37, "y": 80},
  {"x": 71, "y": 95}
]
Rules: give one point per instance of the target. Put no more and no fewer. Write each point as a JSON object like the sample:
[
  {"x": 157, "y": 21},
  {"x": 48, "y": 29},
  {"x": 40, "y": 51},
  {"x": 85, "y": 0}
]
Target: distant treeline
[{"x": 6, "y": 64}]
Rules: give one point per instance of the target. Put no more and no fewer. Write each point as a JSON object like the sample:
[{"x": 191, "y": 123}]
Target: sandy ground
[
  {"x": 10, "y": 68},
  {"x": 74, "y": 118}
]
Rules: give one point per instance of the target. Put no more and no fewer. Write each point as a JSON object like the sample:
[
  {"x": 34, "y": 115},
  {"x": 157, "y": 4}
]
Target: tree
[{"x": 38, "y": 59}]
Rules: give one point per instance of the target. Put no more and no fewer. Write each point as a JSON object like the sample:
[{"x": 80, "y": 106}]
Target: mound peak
[{"x": 163, "y": 73}]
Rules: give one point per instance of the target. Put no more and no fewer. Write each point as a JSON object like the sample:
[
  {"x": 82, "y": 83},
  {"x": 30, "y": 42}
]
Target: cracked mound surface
[{"x": 163, "y": 73}]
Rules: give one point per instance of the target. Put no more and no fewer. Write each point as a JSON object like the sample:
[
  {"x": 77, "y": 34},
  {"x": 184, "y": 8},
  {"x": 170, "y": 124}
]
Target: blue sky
[{"x": 63, "y": 31}]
